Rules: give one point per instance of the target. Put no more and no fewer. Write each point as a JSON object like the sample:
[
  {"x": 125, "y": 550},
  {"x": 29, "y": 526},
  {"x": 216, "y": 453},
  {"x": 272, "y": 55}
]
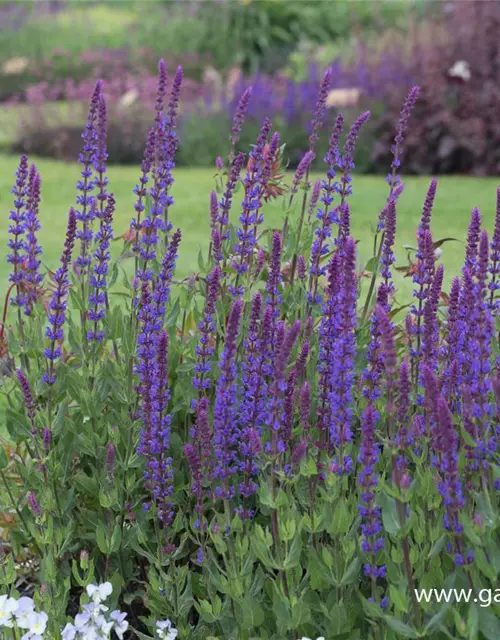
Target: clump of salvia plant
[{"x": 266, "y": 449}]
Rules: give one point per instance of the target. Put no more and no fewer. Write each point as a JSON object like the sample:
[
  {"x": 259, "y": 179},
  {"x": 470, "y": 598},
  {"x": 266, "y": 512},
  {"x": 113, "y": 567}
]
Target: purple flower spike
[
  {"x": 271, "y": 152},
  {"x": 217, "y": 246},
  {"x": 303, "y": 167},
  {"x": 239, "y": 117},
  {"x": 344, "y": 354},
  {"x": 33, "y": 278},
  {"x": 473, "y": 241},
  {"x": 316, "y": 191},
  {"x": 446, "y": 460},
  {"x": 155, "y": 433},
  {"x": 449, "y": 350},
  {"x": 206, "y": 347},
  {"x": 430, "y": 336},
  {"x": 371, "y": 529},
  {"x": 173, "y": 104},
  {"x": 305, "y": 406},
  {"x": 277, "y": 388},
  {"x": 372, "y": 375},
  {"x": 327, "y": 214},
  {"x": 99, "y": 278},
  {"x": 226, "y": 432},
  {"x": 214, "y": 209},
  {"x": 397, "y": 148},
  {"x": 301, "y": 267},
  {"x": 352, "y": 136},
  {"x": 328, "y": 330},
  {"x": 198, "y": 454},
  {"x": 250, "y": 217},
  {"x": 346, "y": 162},
  {"x": 422, "y": 278},
  {"x": 257, "y": 367},
  {"x": 387, "y": 257},
  {"x": 17, "y": 229},
  {"x": 494, "y": 268},
  {"x": 403, "y": 438},
  {"x": 57, "y": 306},
  {"x": 141, "y": 189},
  {"x": 34, "y": 505},
  {"x": 227, "y": 197},
  {"x": 160, "y": 92},
  {"x": 299, "y": 452},
  {"x": 28, "y": 400},
  {"x": 85, "y": 213},
  {"x": 425, "y": 220},
  {"x": 388, "y": 354},
  {"x": 163, "y": 283},
  {"x": 320, "y": 108},
  {"x": 101, "y": 155},
  {"x": 274, "y": 281}
]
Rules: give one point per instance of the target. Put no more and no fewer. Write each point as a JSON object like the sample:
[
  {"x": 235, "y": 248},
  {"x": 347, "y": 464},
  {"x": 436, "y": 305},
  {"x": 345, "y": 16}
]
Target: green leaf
[
  {"x": 4, "y": 461},
  {"x": 435, "y": 622},
  {"x": 102, "y": 538},
  {"x": 351, "y": 573},
  {"x": 116, "y": 539},
  {"x": 252, "y": 613},
  {"x": 441, "y": 241},
  {"x": 489, "y": 624},
  {"x": 280, "y": 607},
  {"x": 390, "y": 518},
  {"x": 437, "y": 547},
  {"x": 403, "y": 630},
  {"x": 484, "y": 566},
  {"x": 340, "y": 520},
  {"x": 472, "y": 622},
  {"x": 399, "y": 598},
  {"x": 292, "y": 559}
]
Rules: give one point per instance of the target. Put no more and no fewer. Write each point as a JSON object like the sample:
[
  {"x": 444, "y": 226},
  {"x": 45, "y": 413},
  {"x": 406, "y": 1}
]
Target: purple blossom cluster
[
  {"x": 58, "y": 302},
  {"x": 305, "y": 393}
]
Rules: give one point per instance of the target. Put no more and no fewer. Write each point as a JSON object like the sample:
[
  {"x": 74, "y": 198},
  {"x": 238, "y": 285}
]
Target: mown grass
[{"x": 455, "y": 198}]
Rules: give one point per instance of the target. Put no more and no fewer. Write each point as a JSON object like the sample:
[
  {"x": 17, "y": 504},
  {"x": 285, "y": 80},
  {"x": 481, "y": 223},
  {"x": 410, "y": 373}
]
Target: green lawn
[{"x": 456, "y": 196}]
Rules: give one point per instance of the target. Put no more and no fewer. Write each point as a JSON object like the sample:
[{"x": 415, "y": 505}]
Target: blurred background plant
[
  {"x": 47, "y": 66},
  {"x": 377, "y": 50}
]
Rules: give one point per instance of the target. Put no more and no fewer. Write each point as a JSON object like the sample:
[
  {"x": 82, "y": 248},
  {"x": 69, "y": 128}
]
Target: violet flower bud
[
  {"x": 110, "y": 459},
  {"x": 305, "y": 405},
  {"x": 239, "y": 116},
  {"x": 34, "y": 505},
  {"x": 473, "y": 241},
  {"x": 301, "y": 267},
  {"x": 28, "y": 399},
  {"x": 47, "y": 438},
  {"x": 320, "y": 108},
  {"x": 299, "y": 452}
]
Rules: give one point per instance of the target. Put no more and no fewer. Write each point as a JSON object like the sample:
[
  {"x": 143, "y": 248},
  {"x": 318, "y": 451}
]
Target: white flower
[
  {"x": 37, "y": 623},
  {"x": 165, "y": 631},
  {"x": 461, "y": 70},
  {"x": 69, "y": 632},
  {"x": 120, "y": 624},
  {"x": 25, "y": 606},
  {"x": 8, "y": 606},
  {"x": 82, "y": 620},
  {"x": 100, "y": 592}
]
